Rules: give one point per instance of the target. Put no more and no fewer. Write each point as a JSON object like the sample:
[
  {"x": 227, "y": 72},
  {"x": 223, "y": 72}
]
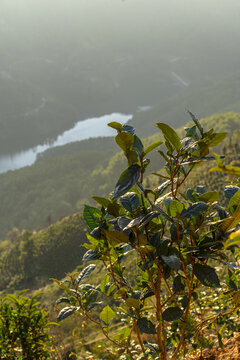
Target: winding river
[{"x": 90, "y": 128}]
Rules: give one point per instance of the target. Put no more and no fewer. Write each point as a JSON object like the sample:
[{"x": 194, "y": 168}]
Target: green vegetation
[
  {"x": 29, "y": 259},
  {"x": 177, "y": 243},
  {"x": 63, "y": 180},
  {"x": 24, "y": 329}
]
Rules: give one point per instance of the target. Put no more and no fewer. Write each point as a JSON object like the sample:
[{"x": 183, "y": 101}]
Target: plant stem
[{"x": 138, "y": 335}]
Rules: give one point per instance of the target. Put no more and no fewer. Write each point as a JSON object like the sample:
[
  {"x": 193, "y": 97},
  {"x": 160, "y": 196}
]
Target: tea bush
[{"x": 186, "y": 285}]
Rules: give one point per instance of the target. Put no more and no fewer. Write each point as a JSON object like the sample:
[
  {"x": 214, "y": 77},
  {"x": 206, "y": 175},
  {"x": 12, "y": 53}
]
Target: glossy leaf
[
  {"x": 172, "y": 313},
  {"x": 195, "y": 209},
  {"x": 196, "y": 121},
  {"x": 172, "y": 261},
  {"x": 130, "y": 201},
  {"x": 138, "y": 146},
  {"x": 66, "y": 312},
  {"x": 85, "y": 273},
  {"x": 230, "y": 190},
  {"x": 63, "y": 300},
  {"x": 206, "y": 275},
  {"x": 127, "y": 179},
  {"x": 170, "y": 135},
  {"x": 128, "y": 128},
  {"x": 91, "y": 255}
]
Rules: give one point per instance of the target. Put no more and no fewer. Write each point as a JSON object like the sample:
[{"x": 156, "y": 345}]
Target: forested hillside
[
  {"x": 94, "y": 175},
  {"x": 65, "y": 178}
]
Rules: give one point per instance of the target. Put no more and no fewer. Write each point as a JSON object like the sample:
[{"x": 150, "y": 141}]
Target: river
[{"x": 85, "y": 129}]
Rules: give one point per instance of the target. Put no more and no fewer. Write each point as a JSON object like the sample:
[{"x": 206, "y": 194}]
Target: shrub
[
  {"x": 23, "y": 329},
  {"x": 175, "y": 241}
]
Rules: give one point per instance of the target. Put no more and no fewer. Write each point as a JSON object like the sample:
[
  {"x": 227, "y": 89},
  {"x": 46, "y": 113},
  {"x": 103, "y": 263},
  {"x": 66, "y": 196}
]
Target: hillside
[
  {"x": 75, "y": 186},
  {"x": 65, "y": 178}
]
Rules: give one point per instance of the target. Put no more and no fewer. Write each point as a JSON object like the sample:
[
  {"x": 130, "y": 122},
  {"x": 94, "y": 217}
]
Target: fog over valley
[{"x": 62, "y": 62}]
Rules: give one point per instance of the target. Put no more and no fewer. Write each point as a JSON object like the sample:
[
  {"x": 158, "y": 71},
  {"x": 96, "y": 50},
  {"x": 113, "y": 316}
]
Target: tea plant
[
  {"x": 175, "y": 241},
  {"x": 24, "y": 329}
]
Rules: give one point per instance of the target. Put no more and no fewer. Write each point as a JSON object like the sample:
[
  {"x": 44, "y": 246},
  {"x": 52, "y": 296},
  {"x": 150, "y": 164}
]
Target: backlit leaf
[
  {"x": 124, "y": 140},
  {"x": 107, "y": 314},
  {"x": 91, "y": 216},
  {"x": 209, "y": 197},
  {"x": 115, "y": 125},
  {"x": 152, "y": 147},
  {"x": 170, "y": 135}
]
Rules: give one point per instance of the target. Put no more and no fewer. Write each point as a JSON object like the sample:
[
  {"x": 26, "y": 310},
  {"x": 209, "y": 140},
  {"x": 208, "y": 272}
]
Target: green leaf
[
  {"x": 170, "y": 135},
  {"x": 146, "y": 326},
  {"x": 216, "y": 139},
  {"x": 116, "y": 125},
  {"x": 209, "y": 197},
  {"x": 63, "y": 300},
  {"x": 127, "y": 179},
  {"x": 234, "y": 202},
  {"x": 206, "y": 274},
  {"x": 102, "y": 201},
  {"x": 124, "y": 140},
  {"x": 107, "y": 314},
  {"x": 230, "y": 190},
  {"x": 132, "y": 302},
  {"x": 220, "y": 343},
  {"x": 138, "y": 146},
  {"x": 234, "y": 239},
  {"x": 91, "y": 216},
  {"x": 177, "y": 284},
  {"x": 227, "y": 169},
  {"x": 175, "y": 208},
  {"x": 232, "y": 221},
  {"x": 196, "y": 121},
  {"x": 172, "y": 261},
  {"x": 104, "y": 282},
  {"x": 91, "y": 255},
  {"x": 152, "y": 147},
  {"x": 67, "y": 311},
  {"x": 130, "y": 201},
  {"x": 194, "y": 209},
  {"x": 85, "y": 273},
  {"x": 116, "y": 237},
  {"x": 172, "y": 313}
]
